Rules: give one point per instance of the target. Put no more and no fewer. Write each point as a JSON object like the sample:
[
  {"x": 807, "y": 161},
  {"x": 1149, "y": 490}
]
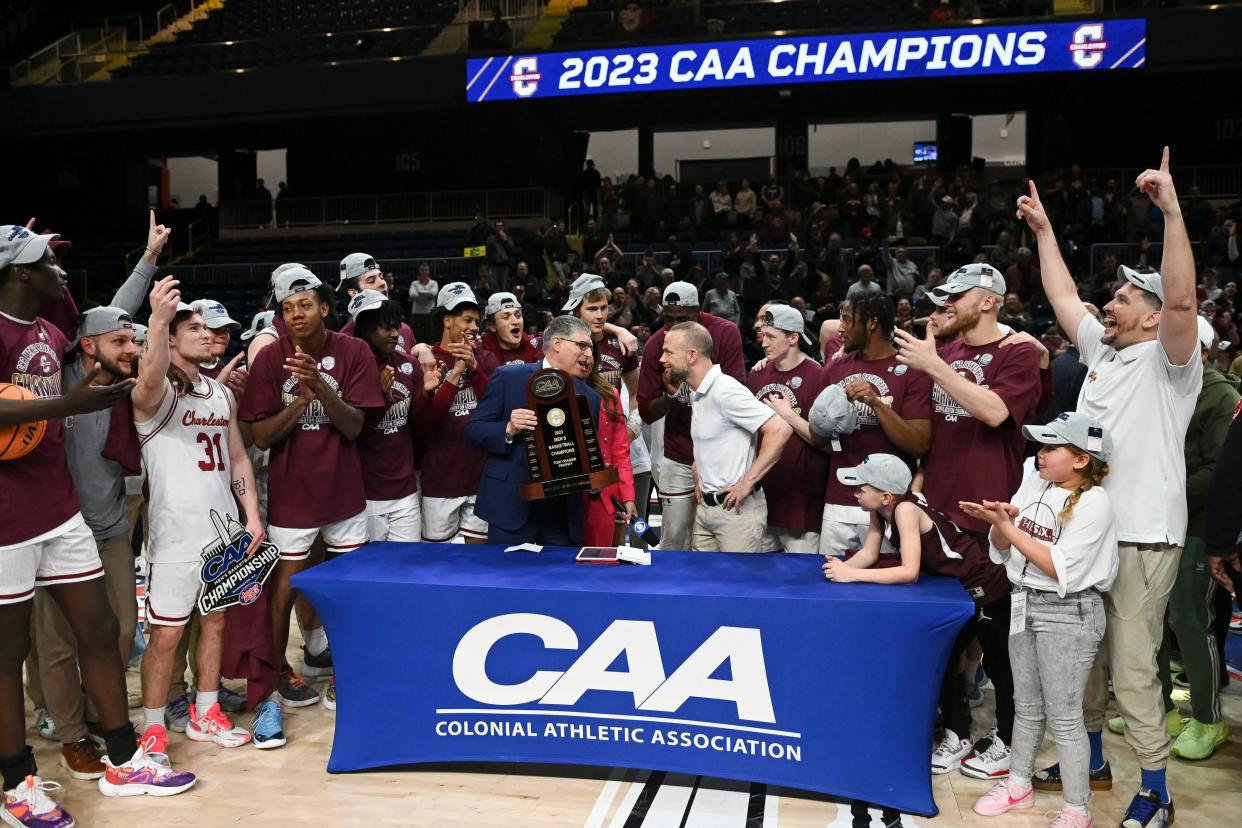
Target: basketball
[{"x": 19, "y": 440}]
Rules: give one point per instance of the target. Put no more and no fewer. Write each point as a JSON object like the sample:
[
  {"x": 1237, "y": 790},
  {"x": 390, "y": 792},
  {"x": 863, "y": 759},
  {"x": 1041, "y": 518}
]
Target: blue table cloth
[{"x": 749, "y": 667}]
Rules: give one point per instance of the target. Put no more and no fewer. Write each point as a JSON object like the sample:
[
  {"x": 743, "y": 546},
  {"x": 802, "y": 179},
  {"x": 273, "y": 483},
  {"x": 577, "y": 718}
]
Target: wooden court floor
[{"x": 289, "y": 786}]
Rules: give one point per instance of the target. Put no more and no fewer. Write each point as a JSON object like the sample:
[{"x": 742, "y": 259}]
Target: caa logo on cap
[
  {"x": 18, "y": 232},
  {"x": 356, "y": 302},
  {"x": 525, "y": 77}
]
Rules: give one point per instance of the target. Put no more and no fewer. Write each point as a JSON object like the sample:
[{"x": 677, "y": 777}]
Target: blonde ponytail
[{"x": 1092, "y": 476}]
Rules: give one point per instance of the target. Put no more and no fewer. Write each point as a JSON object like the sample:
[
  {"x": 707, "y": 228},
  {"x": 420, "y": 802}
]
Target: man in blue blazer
[{"x": 498, "y": 425}]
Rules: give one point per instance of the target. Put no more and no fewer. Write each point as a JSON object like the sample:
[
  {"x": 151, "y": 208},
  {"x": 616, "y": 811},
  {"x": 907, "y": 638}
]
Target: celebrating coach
[{"x": 497, "y": 426}]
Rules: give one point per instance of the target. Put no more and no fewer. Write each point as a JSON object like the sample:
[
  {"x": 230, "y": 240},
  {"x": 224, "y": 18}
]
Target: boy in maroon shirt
[
  {"x": 307, "y": 400},
  {"x": 359, "y": 272},
  {"x": 588, "y": 300},
  {"x": 658, "y": 400},
  {"x": 984, "y": 393},
  {"x": 893, "y": 402},
  {"x": 388, "y": 478},
  {"x": 449, "y": 494},
  {"x": 44, "y": 540},
  {"x": 789, "y": 382},
  {"x": 505, "y": 338}
]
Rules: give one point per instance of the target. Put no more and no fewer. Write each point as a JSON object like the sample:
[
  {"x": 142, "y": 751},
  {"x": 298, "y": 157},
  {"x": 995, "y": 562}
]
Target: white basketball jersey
[{"x": 185, "y": 453}]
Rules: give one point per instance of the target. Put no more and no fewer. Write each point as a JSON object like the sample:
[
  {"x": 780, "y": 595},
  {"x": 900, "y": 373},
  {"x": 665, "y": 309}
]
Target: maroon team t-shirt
[
  {"x": 970, "y": 460},
  {"x": 36, "y": 490},
  {"x": 457, "y": 465},
  {"x": 529, "y": 350},
  {"x": 388, "y": 449},
  {"x": 405, "y": 336},
  {"x": 315, "y": 473},
  {"x": 907, "y": 391},
  {"x": 726, "y": 352},
  {"x": 613, "y": 365},
  {"x": 794, "y": 486}
]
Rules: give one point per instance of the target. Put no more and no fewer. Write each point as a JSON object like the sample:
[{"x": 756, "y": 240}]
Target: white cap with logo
[
  {"x": 583, "y": 285},
  {"x": 215, "y": 315},
  {"x": 976, "y": 275},
  {"x": 832, "y": 413},
  {"x": 283, "y": 286},
  {"x": 681, "y": 295},
  {"x": 501, "y": 301},
  {"x": 454, "y": 294},
  {"x": 1150, "y": 282},
  {"x": 365, "y": 300},
  {"x": 21, "y": 246},
  {"x": 355, "y": 265},
  {"x": 884, "y": 472},
  {"x": 786, "y": 318},
  {"x": 1073, "y": 428}
]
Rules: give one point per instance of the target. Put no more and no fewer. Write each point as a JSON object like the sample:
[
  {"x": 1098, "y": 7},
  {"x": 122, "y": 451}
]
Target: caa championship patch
[{"x": 229, "y": 574}]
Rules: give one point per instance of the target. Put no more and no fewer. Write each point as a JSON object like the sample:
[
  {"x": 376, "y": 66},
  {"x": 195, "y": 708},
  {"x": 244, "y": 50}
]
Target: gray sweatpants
[{"x": 1051, "y": 660}]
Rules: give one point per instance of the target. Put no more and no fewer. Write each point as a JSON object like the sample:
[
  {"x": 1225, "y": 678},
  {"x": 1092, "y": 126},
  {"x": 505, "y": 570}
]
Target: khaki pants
[
  {"x": 717, "y": 529},
  {"x": 52, "y": 668},
  {"x": 677, "y": 507},
  {"x": 1135, "y": 612}
]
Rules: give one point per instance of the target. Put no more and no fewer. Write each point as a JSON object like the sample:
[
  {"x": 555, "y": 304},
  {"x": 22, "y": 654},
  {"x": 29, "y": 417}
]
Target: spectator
[
  {"x": 651, "y": 310},
  {"x": 902, "y": 273},
  {"x": 746, "y": 204},
  {"x": 1211, "y": 291},
  {"x": 944, "y": 223},
  {"x": 722, "y": 205},
  {"x": 722, "y": 301},
  {"x": 621, "y": 309},
  {"x": 500, "y": 250},
  {"x": 423, "y": 293},
  {"x": 866, "y": 284},
  {"x": 1014, "y": 314},
  {"x": 648, "y": 272},
  {"x": 1003, "y": 255},
  {"x": 1192, "y": 603},
  {"x": 590, "y": 184},
  {"x": 1022, "y": 277},
  {"x": 773, "y": 195}
]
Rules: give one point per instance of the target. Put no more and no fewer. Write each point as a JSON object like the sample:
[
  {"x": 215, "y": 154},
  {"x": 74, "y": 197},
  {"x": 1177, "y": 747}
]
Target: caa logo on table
[
  {"x": 652, "y": 688},
  {"x": 525, "y": 77}
]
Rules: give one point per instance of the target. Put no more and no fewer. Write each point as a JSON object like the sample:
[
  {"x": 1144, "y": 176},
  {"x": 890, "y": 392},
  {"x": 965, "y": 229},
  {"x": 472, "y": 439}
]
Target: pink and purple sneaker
[
  {"x": 29, "y": 806},
  {"x": 144, "y": 773}
]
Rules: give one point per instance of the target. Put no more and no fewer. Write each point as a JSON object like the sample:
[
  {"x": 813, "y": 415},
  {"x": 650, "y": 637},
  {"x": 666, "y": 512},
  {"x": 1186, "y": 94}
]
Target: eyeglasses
[{"x": 582, "y": 346}]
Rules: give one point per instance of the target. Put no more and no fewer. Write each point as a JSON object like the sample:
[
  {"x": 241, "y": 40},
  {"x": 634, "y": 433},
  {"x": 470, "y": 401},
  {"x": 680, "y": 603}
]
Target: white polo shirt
[
  {"x": 1146, "y": 402},
  {"x": 724, "y": 424}
]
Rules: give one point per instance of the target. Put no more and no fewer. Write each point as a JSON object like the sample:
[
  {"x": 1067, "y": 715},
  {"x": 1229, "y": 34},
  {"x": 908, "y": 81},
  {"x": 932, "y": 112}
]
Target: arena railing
[
  {"x": 1131, "y": 254},
  {"x": 1213, "y": 180},
  {"x": 397, "y": 208},
  {"x": 251, "y": 274}
]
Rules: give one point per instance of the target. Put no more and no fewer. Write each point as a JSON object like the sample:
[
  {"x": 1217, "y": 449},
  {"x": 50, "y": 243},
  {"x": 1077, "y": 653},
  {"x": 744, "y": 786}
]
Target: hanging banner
[{"x": 975, "y": 50}]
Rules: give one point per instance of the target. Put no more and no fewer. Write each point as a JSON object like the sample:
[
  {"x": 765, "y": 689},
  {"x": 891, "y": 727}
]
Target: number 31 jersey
[{"x": 185, "y": 453}]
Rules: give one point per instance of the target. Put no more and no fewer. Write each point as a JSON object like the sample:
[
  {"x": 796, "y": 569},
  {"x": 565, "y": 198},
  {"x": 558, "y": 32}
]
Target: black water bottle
[{"x": 639, "y": 528}]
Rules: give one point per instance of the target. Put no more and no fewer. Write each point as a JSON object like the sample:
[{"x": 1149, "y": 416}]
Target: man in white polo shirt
[
  {"x": 726, "y": 424},
  {"x": 1142, "y": 382}
]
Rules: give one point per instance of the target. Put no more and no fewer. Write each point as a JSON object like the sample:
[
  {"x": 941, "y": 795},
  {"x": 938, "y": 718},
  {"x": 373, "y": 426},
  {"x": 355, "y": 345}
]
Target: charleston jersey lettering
[{"x": 185, "y": 453}]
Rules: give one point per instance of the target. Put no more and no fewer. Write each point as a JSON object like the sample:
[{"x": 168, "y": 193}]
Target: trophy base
[{"x": 594, "y": 481}]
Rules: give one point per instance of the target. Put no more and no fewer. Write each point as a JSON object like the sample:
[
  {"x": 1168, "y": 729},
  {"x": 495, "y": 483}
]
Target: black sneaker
[
  {"x": 316, "y": 666},
  {"x": 1049, "y": 779},
  {"x": 1147, "y": 811},
  {"x": 294, "y": 692}
]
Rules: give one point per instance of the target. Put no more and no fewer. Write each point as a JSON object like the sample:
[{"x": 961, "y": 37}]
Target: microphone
[{"x": 639, "y": 528}]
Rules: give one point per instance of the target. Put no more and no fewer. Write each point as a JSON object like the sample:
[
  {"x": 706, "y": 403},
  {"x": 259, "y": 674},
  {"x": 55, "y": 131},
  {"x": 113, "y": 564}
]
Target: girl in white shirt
[{"x": 1057, "y": 542}]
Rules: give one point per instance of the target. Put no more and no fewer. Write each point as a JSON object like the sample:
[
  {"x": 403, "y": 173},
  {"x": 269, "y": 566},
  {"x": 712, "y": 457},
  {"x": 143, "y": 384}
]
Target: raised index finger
[{"x": 1164, "y": 161}]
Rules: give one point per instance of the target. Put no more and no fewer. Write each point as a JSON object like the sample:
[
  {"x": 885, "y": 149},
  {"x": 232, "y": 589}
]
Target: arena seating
[
  {"x": 605, "y": 20},
  {"x": 262, "y": 33}
]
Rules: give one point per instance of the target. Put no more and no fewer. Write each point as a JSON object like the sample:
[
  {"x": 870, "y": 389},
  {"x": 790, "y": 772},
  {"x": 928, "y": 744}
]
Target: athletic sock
[
  {"x": 152, "y": 716},
  {"x": 122, "y": 743},
  {"x": 15, "y": 769},
  {"x": 972, "y": 670},
  {"x": 1096, "y": 738},
  {"x": 316, "y": 641},
  {"x": 203, "y": 700},
  {"x": 1154, "y": 780}
]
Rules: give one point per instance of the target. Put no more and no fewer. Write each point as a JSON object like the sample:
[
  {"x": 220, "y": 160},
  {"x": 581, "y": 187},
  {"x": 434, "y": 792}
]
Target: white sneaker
[
  {"x": 211, "y": 725},
  {"x": 949, "y": 753},
  {"x": 988, "y": 759},
  {"x": 46, "y": 725}
]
